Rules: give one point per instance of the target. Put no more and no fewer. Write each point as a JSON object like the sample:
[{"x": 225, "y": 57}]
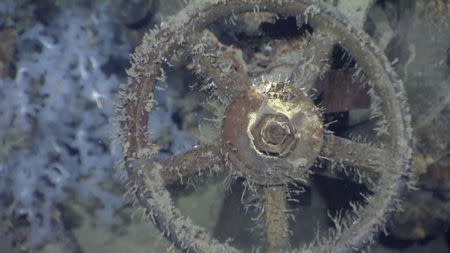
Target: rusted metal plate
[{"x": 340, "y": 93}]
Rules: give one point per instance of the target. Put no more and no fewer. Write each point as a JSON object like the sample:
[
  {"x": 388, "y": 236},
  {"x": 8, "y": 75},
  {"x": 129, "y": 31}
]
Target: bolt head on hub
[{"x": 273, "y": 134}]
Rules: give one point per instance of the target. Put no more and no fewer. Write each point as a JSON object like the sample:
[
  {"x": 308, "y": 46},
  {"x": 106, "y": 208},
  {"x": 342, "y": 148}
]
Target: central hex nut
[{"x": 273, "y": 134}]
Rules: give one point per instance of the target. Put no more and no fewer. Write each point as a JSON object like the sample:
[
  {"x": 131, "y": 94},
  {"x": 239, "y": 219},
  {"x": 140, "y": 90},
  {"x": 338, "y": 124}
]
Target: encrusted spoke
[
  {"x": 277, "y": 230},
  {"x": 223, "y": 67},
  {"x": 373, "y": 161},
  {"x": 194, "y": 162},
  {"x": 315, "y": 61}
]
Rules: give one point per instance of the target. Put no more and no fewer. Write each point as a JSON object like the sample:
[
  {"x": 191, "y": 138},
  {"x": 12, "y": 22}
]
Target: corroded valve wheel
[{"x": 272, "y": 131}]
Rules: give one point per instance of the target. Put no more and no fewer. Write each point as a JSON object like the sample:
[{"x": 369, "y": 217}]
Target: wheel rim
[{"x": 137, "y": 101}]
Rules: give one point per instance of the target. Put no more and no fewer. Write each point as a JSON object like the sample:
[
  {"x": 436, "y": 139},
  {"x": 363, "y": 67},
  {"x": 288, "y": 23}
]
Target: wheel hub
[{"x": 274, "y": 134}]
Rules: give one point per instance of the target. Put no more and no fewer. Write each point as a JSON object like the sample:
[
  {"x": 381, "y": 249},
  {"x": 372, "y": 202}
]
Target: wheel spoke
[
  {"x": 340, "y": 93},
  {"x": 315, "y": 61},
  {"x": 194, "y": 162},
  {"x": 223, "y": 66},
  {"x": 277, "y": 230},
  {"x": 370, "y": 159}
]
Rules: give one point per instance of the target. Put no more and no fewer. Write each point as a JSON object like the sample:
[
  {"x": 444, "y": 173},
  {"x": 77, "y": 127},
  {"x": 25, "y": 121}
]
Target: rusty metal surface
[
  {"x": 195, "y": 162},
  {"x": 277, "y": 226},
  {"x": 341, "y": 93},
  {"x": 371, "y": 162},
  {"x": 222, "y": 66},
  {"x": 260, "y": 161},
  {"x": 252, "y": 105},
  {"x": 273, "y": 135},
  {"x": 361, "y": 155}
]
